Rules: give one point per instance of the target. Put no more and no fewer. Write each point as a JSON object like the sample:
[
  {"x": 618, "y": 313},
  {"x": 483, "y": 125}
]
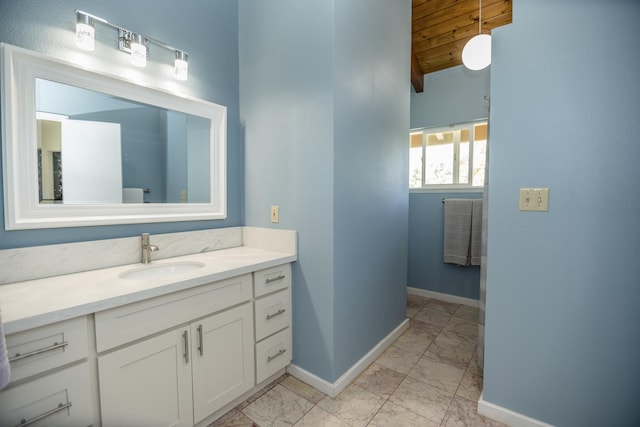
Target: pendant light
[{"x": 476, "y": 54}]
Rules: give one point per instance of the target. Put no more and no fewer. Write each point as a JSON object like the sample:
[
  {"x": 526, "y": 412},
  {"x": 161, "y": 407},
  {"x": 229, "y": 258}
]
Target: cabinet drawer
[
  {"x": 272, "y": 279},
  {"x": 130, "y": 322},
  {"x": 38, "y": 350},
  {"x": 273, "y": 354},
  {"x": 272, "y": 313},
  {"x": 59, "y": 399}
]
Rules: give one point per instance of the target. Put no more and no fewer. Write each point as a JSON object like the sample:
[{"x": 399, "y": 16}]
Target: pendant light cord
[{"x": 480, "y": 18}]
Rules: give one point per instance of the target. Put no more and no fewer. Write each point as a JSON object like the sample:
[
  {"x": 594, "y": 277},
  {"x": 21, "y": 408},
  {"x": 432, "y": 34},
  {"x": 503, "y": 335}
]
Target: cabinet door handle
[
  {"x": 55, "y": 345},
  {"x": 278, "y": 354},
  {"x": 60, "y": 407},
  {"x": 185, "y": 339},
  {"x": 275, "y": 279},
  {"x": 200, "y": 342},
  {"x": 277, "y": 313}
]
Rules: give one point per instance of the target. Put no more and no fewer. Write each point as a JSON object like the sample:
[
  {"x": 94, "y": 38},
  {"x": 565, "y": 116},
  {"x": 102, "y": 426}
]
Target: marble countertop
[{"x": 35, "y": 303}]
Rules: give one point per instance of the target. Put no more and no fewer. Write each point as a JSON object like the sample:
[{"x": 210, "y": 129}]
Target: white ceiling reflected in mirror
[{"x": 82, "y": 148}]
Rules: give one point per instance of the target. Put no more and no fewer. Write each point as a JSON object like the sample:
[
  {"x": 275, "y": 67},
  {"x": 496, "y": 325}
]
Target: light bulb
[
  {"x": 181, "y": 65},
  {"x": 138, "y": 51},
  {"x": 85, "y": 32},
  {"x": 476, "y": 54}
]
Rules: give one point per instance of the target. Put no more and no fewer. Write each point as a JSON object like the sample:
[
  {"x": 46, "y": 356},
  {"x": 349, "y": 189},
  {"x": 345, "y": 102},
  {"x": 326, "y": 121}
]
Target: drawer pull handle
[
  {"x": 185, "y": 339},
  {"x": 275, "y": 279},
  {"x": 278, "y": 354},
  {"x": 277, "y": 313},
  {"x": 55, "y": 345},
  {"x": 60, "y": 407},
  {"x": 200, "y": 342}
]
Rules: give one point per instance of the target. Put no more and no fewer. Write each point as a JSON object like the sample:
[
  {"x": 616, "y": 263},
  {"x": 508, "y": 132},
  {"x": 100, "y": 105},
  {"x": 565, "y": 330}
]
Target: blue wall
[
  {"x": 450, "y": 96},
  {"x": 427, "y": 269},
  {"x": 324, "y": 101},
  {"x": 562, "y": 342},
  {"x": 206, "y": 29}
]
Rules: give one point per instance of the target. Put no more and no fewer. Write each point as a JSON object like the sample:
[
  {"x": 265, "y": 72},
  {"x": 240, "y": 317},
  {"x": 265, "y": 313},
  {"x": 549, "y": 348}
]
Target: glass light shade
[
  {"x": 138, "y": 51},
  {"x": 476, "y": 54},
  {"x": 181, "y": 66},
  {"x": 85, "y": 36}
]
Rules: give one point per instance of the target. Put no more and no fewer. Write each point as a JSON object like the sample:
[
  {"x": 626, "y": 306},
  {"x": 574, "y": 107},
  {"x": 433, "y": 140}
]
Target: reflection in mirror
[{"x": 95, "y": 148}]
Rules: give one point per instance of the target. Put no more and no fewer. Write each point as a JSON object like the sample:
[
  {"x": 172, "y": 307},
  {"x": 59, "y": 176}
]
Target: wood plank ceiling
[{"x": 441, "y": 28}]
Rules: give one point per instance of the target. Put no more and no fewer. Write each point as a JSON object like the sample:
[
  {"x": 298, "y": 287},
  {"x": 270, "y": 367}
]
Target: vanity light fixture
[
  {"x": 138, "y": 50},
  {"x": 135, "y": 44},
  {"x": 181, "y": 65},
  {"x": 85, "y": 32}
]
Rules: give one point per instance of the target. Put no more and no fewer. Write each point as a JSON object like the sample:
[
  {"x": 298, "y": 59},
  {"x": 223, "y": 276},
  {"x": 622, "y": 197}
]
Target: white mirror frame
[{"x": 20, "y": 68}]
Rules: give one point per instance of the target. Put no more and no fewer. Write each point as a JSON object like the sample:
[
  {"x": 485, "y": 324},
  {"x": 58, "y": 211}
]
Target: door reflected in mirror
[{"x": 94, "y": 148}]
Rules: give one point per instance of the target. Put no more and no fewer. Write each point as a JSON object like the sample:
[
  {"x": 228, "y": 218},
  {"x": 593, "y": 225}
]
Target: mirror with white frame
[{"x": 82, "y": 148}]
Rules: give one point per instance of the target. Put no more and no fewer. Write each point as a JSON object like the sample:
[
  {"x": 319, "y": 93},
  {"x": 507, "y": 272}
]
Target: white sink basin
[{"x": 160, "y": 270}]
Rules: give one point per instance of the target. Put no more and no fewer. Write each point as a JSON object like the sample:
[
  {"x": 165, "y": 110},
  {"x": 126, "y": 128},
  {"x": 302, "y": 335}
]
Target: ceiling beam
[{"x": 417, "y": 75}]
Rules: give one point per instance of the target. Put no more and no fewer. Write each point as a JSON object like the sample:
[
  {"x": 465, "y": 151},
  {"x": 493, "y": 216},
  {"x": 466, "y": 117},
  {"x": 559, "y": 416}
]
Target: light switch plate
[
  {"x": 275, "y": 214},
  {"x": 534, "y": 199}
]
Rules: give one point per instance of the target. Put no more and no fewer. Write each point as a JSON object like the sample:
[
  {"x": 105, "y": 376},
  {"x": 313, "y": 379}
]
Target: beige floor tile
[
  {"x": 233, "y": 418},
  {"x": 437, "y": 373},
  {"x": 433, "y": 317},
  {"x": 443, "y": 306},
  {"x": 471, "y": 384},
  {"x": 279, "y": 406},
  {"x": 413, "y": 299},
  {"x": 392, "y": 415},
  {"x": 355, "y": 405},
  {"x": 462, "y": 327},
  {"x": 414, "y": 304},
  {"x": 304, "y": 390},
  {"x": 413, "y": 341},
  {"x": 463, "y": 413},
  {"x": 453, "y": 355},
  {"x": 399, "y": 359},
  {"x": 412, "y": 311},
  {"x": 422, "y": 398},
  {"x": 379, "y": 379},
  {"x": 255, "y": 396},
  {"x": 460, "y": 335},
  {"x": 318, "y": 417},
  {"x": 420, "y": 328},
  {"x": 467, "y": 313}
]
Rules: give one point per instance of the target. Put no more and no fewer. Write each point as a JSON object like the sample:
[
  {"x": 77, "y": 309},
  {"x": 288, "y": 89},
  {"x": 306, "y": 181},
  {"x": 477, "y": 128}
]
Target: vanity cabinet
[
  {"x": 50, "y": 377},
  {"x": 272, "y": 306},
  {"x": 176, "y": 359},
  {"x": 183, "y": 375}
]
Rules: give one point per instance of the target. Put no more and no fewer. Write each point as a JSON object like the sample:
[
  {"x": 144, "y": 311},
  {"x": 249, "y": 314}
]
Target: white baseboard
[
  {"x": 443, "y": 297},
  {"x": 333, "y": 389},
  {"x": 507, "y": 416}
]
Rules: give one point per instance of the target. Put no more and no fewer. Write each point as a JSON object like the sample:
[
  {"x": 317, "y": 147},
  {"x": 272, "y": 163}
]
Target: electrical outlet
[
  {"x": 275, "y": 214},
  {"x": 534, "y": 199}
]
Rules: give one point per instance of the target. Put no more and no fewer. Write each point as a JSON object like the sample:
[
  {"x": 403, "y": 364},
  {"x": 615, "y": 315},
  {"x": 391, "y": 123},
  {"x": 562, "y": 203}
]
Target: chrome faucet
[{"x": 147, "y": 248}]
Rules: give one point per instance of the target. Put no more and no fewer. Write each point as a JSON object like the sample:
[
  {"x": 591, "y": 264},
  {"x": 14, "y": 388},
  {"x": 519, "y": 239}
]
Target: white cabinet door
[
  {"x": 149, "y": 383},
  {"x": 223, "y": 367}
]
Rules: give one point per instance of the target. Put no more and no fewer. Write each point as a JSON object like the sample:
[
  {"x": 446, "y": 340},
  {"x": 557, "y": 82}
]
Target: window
[{"x": 448, "y": 156}]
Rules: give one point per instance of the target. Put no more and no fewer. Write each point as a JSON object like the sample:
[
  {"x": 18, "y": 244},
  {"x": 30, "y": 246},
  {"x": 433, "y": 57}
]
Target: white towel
[
  {"x": 476, "y": 232},
  {"x": 132, "y": 195},
  {"x": 5, "y": 370},
  {"x": 457, "y": 230}
]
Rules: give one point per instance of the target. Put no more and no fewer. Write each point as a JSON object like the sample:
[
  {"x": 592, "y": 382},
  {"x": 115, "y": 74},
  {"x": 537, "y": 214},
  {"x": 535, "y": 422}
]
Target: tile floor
[{"x": 427, "y": 378}]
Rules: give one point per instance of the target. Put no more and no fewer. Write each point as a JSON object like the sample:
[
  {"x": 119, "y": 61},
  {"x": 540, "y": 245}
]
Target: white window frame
[{"x": 455, "y": 186}]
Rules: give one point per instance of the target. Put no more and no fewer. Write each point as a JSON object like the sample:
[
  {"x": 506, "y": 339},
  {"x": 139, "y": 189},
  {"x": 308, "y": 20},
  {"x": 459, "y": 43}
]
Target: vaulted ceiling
[{"x": 441, "y": 28}]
